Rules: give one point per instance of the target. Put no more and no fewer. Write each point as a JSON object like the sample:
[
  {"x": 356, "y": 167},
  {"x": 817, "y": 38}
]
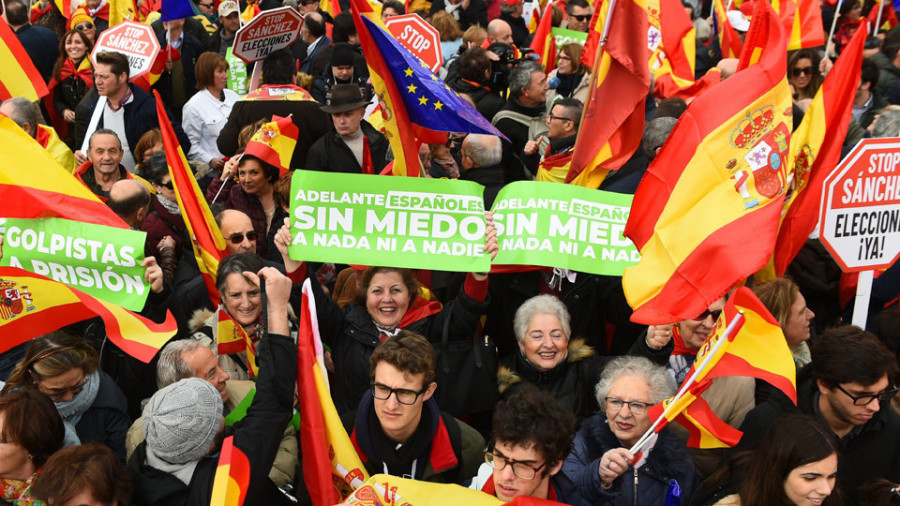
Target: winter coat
[
  {"x": 352, "y": 336},
  {"x": 233, "y": 196},
  {"x": 571, "y": 382},
  {"x": 489, "y": 177},
  {"x": 257, "y": 437},
  {"x": 160, "y": 223},
  {"x": 580, "y": 92},
  {"x": 873, "y": 452},
  {"x": 190, "y": 50},
  {"x": 453, "y": 455},
  {"x": 645, "y": 486},
  {"x": 331, "y": 154},
  {"x": 84, "y": 173},
  {"x": 106, "y": 420},
  {"x": 476, "y": 14}
]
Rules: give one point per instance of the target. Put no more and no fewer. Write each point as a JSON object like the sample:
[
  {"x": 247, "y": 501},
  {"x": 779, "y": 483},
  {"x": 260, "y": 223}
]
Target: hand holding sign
[{"x": 153, "y": 274}]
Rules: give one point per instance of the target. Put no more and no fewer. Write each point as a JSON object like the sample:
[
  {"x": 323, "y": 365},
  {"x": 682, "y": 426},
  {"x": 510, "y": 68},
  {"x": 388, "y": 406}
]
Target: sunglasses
[
  {"x": 239, "y": 237},
  {"x": 552, "y": 117},
  {"x": 797, "y": 71},
  {"x": 84, "y": 26},
  {"x": 168, "y": 185},
  {"x": 581, "y": 17},
  {"x": 707, "y": 313},
  {"x": 308, "y": 2},
  {"x": 59, "y": 394},
  {"x": 208, "y": 6}
]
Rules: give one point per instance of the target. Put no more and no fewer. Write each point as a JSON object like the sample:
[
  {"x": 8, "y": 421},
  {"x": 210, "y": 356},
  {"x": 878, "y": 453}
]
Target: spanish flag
[
  {"x": 274, "y": 143},
  {"x": 816, "y": 151},
  {"x": 33, "y": 305},
  {"x": 20, "y": 78},
  {"x": 613, "y": 120},
  {"x": 122, "y": 10},
  {"x": 386, "y": 489},
  {"x": 47, "y": 138},
  {"x": 691, "y": 411},
  {"x": 803, "y": 20},
  {"x": 416, "y": 104},
  {"x": 719, "y": 179},
  {"x": 543, "y": 44},
  {"x": 729, "y": 42},
  {"x": 331, "y": 466},
  {"x": 232, "y": 476},
  {"x": 45, "y": 189},
  {"x": 671, "y": 41},
  {"x": 232, "y": 338},
  {"x": 209, "y": 246}
]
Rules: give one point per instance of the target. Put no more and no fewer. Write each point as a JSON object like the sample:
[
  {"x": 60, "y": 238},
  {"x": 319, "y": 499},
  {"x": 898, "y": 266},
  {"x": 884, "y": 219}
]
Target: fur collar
[{"x": 577, "y": 351}]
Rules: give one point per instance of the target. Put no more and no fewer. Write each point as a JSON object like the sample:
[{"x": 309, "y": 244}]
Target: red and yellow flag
[
  {"x": 20, "y": 78},
  {"x": 613, "y": 120},
  {"x": 719, "y": 179},
  {"x": 34, "y": 185},
  {"x": 729, "y": 42},
  {"x": 232, "y": 338},
  {"x": 331, "y": 466},
  {"x": 803, "y": 21},
  {"x": 671, "y": 41},
  {"x": 232, "y": 476},
  {"x": 48, "y": 139},
  {"x": 543, "y": 43},
  {"x": 385, "y": 489},
  {"x": 816, "y": 151},
  {"x": 206, "y": 238},
  {"x": 33, "y": 305},
  {"x": 121, "y": 10},
  {"x": 691, "y": 411},
  {"x": 274, "y": 143}
]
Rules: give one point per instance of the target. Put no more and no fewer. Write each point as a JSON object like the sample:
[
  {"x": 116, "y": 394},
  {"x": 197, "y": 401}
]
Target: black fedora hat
[{"x": 345, "y": 97}]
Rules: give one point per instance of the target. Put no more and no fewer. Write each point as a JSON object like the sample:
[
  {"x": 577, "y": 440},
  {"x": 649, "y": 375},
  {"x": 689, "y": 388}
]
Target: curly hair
[
  {"x": 408, "y": 352},
  {"x": 532, "y": 418}
]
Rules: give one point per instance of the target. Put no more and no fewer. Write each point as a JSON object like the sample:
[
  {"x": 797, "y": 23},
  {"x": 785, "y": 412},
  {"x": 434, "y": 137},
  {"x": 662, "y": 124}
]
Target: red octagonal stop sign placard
[
  {"x": 422, "y": 39},
  {"x": 860, "y": 212},
  {"x": 135, "y": 40},
  {"x": 266, "y": 33}
]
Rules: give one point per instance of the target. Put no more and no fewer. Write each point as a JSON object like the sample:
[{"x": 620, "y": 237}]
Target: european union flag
[
  {"x": 176, "y": 9},
  {"x": 429, "y": 102}
]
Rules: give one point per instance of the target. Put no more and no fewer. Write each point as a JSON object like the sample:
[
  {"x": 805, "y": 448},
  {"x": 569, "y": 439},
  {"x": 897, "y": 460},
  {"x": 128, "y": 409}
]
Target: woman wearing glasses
[
  {"x": 30, "y": 431},
  {"x": 603, "y": 469},
  {"x": 65, "y": 368},
  {"x": 804, "y": 74},
  {"x": 570, "y": 78}
]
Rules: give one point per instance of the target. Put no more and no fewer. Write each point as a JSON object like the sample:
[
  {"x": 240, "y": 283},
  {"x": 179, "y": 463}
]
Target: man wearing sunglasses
[
  {"x": 849, "y": 386},
  {"x": 531, "y": 437},
  {"x": 578, "y": 15},
  {"x": 398, "y": 428},
  {"x": 237, "y": 229}
]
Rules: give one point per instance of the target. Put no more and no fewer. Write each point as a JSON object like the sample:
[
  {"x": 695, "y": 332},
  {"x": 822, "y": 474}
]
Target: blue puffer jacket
[{"x": 646, "y": 486}]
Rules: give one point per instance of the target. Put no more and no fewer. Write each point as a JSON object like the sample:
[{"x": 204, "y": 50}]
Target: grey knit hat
[{"x": 181, "y": 420}]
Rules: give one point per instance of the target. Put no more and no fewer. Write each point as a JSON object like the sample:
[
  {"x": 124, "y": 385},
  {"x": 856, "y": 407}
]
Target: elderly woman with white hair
[
  {"x": 601, "y": 465},
  {"x": 548, "y": 358}
]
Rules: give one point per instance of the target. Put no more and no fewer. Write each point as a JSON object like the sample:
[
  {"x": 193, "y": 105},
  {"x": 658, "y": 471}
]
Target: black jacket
[
  {"x": 258, "y": 436},
  {"x": 873, "y": 452},
  {"x": 331, "y": 154},
  {"x": 520, "y": 34},
  {"x": 190, "y": 49},
  {"x": 106, "y": 421},
  {"x": 492, "y": 178},
  {"x": 476, "y": 14},
  {"x": 518, "y": 135},
  {"x": 486, "y": 101}
]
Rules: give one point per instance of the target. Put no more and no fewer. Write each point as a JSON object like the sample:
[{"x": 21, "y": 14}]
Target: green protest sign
[
  {"x": 561, "y": 225},
  {"x": 102, "y": 261},
  {"x": 562, "y": 36},
  {"x": 388, "y": 221}
]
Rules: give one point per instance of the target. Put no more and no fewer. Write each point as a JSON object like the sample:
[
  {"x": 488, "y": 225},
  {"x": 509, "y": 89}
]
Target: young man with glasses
[
  {"x": 532, "y": 434},
  {"x": 399, "y": 429},
  {"x": 849, "y": 385}
]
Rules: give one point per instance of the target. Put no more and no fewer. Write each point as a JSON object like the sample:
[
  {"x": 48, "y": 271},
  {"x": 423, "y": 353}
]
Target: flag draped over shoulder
[
  {"x": 816, "y": 150},
  {"x": 20, "y": 78},
  {"x": 232, "y": 476},
  {"x": 34, "y": 305},
  {"x": 331, "y": 466},
  {"x": 543, "y": 43},
  {"x": 719, "y": 179},
  {"x": 415, "y": 102},
  {"x": 755, "y": 347},
  {"x": 34, "y": 185},
  {"x": 613, "y": 119},
  {"x": 206, "y": 238}
]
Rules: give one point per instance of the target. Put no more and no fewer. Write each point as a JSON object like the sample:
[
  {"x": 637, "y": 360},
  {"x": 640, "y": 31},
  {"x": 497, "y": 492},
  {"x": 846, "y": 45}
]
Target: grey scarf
[{"x": 71, "y": 411}]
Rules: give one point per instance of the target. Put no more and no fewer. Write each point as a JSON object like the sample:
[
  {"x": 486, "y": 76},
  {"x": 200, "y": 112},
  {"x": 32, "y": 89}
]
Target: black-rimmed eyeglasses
[{"x": 404, "y": 395}]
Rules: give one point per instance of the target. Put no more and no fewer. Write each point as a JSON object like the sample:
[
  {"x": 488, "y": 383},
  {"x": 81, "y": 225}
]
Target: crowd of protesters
[{"x": 572, "y": 379}]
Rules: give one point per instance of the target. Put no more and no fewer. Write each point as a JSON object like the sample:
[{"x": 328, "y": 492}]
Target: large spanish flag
[
  {"x": 718, "y": 180},
  {"x": 34, "y": 185},
  {"x": 232, "y": 476},
  {"x": 816, "y": 150},
  {"x": 613, "y": 120},
  {"x": 33, "y": 305},
  {"x": 318, "y": 474},
  {"x": 20, "y": 78},
  {"x": 209, "y": 246}
]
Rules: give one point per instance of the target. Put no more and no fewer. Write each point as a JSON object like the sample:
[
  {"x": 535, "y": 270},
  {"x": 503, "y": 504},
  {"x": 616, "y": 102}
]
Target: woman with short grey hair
[{"x": 601, "y": 464}]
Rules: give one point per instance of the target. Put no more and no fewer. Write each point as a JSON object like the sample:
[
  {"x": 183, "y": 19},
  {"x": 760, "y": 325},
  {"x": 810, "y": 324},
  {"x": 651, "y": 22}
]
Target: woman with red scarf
[{"x": 72, "y": 77}]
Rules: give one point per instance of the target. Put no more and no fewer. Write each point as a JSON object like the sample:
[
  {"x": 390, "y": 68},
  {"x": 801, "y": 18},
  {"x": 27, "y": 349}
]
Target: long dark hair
[
  {"x": 817, "y": 78},
  {"x": 89, "y": 46},
  {"x": 792, "y": 441}
]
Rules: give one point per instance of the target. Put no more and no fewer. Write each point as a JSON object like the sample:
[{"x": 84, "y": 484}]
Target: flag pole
[
  {"x": 878, "y": 18},
  {"x": 833, "y": 25},
  {"x": 594, "y": 70},
  {"x": 732, "y": 327}
]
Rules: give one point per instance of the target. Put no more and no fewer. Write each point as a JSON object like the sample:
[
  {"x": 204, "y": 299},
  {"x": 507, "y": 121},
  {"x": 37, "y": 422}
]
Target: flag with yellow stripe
[
  {"x": 33, "y": 305},
  {"x": 232, "y": 476},
  {"x": 803, "y": 20},
  {"x": 719, "y": 178},
  {"x": 691, "y": 411},
  {"x": 232, "y": 338},
  {"x": 20, "y": 78}
]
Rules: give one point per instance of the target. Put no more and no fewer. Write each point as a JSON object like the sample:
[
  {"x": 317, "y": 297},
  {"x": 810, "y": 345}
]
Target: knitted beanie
[
  {"x": 342, "y": 55},
  {"x": 182, "y": 420}
]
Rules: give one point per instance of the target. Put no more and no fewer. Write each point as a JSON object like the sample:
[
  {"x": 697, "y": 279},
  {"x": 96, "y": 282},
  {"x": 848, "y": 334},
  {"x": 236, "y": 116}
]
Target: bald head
[
  {"x": 499, "y": 31},
  {"x": 130, "y": 199},
  {"x": 236, "y": 226}
]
